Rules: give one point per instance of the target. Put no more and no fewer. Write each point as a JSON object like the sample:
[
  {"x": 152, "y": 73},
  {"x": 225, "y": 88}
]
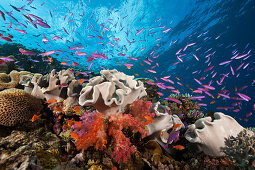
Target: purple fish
[
  {"x": 174, "y": 100},
  {"x": 173, "y": 136},
  {"x": 139, "y": 31}
]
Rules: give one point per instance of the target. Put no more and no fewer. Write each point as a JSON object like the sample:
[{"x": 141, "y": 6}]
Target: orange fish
[
  {"x": 50, "y": 58},
  {"x": 218, "y": 96},
  {"x": 162, "y": 133},
  {"x": 70, "y": 122},
  {"x": 35, "y": 117},
  {"x": 177, "y": 78},
  {"x": 149, "y": 120},
  {"x": 235, "y": 89},
  {"x": 59, "y": 116},
  {"x": 118, "y": 63},
  {"x": 63, "y": 63},
  {"x": 78, "y": 123},
  {"x": 51, "y": 101},
  {"x": 58, "y": 109},
  {"x": 102, "y": 32},
  {"x": 141, "y": 64},
  {"x": 212, "y": 102},
  {"x": 179, "y": 147},
  {"x": 177, "y": 126},
  {"x": 82, "y": 80},
  {"x": 65, "y": 127},
  {"x": 74, "y": 135},
  {"x": 77, "y": 109},
  {"x": 136, "y": 74},
  {"x": 129, "y": 67}
]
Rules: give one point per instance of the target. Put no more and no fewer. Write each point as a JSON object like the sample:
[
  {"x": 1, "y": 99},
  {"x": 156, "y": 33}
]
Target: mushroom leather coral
[
  {"x": 111, "y": 92},
  {"x": 17, "y": 106},
  {"x": 14, "y": 76}
]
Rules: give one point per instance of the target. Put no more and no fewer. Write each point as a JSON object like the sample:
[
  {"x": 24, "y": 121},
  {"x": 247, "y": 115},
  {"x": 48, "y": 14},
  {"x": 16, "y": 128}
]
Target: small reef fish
[
  {"x": 58, "y": 108},
  {"x": 179, "y": 147},
  {"x": 35, "y": 117},
  {"x": 24, "y": 52},
  {"x": 149, "y": 120},
  {"x": 51, "y": 101},
  {"x": 174, "y": 100},
  {"x": 177, "y": 126},
  {"x": 6, "y": 38},
  {"x": 173, "y": 136},
  {"x": 77, "y": 109},
  {"x": 21, "y": 31}
]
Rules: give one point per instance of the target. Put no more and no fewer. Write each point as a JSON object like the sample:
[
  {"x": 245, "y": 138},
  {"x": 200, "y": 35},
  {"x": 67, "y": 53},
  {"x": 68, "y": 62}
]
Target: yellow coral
[{"x": 17, "y": 106}]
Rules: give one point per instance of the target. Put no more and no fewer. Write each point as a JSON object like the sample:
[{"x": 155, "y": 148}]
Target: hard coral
[
  {"x": 241, "y": 150},
  {"x": 17, "y": 106}
]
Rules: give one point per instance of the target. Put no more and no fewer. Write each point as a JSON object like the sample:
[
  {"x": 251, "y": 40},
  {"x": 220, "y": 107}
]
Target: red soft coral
[
  {"x": 96, "y": 135},
  {"x": 122, "y": 145},
  {"x": 141, "y": 108}
]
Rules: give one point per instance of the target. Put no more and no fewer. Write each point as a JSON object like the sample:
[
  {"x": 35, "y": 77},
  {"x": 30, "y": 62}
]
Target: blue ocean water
[{"x": 183, "y": 39}]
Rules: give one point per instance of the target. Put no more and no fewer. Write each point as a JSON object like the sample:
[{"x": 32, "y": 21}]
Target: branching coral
[
  {"x": 141, "y": 108},
  {"x": 241, "y": 150}
]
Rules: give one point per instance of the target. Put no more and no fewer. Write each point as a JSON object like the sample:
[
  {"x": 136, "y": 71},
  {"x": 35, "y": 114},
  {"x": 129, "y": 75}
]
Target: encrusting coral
[
  {"x": 111, "y": 92},
  {"x": 17, "y": 106}
]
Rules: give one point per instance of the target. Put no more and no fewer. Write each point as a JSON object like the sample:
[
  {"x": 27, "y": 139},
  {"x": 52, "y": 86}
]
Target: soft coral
[{"x": 96, "y": 135}]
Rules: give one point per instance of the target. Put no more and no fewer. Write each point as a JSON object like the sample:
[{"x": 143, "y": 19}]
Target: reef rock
[
  {"x": 211, "y": 135},
  {"x": 111, "y": 92}
]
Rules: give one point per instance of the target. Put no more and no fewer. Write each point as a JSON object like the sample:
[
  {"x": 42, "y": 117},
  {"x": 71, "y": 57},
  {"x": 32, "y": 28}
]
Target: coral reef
[
  {"x": 241, "y": 150},
  {"x": 210, "y": 135},
  {"x": 11, "y": 80},
  {"x": 38, "y": 149},
  {"x": 17, "y": 106},
  {"x": 111, "y": 92},
  {"x": 187, "y": 111},
  {"x": 151, "y": 90},
  {"x": 7, "y": 66},
  {"x": 61, "y": 87}
]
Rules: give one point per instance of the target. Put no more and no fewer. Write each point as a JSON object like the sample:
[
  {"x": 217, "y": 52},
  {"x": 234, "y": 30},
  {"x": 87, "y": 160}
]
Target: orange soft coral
[{"x": 96, "y": 135}]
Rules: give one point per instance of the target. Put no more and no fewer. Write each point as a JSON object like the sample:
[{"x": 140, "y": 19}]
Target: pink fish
[
  {"x": 195, "y": 57},
  {"x": 143, "y": 48},
  {"x": 225, "y": 62},
  {"x": 90, "y": 66},
  {"x": 166, "y": 30},
  {"x": 21, "y": 31},
  {"x": 121, "y": 54},
  {"x": 100, "y": 37},
  {"x": 65, "y": 30},
  {"x": 243, "y": 96},
  {"x": 47, "y": 53},
  {"x": 232, "y": 70},
  {"x": 80, "y": 54},
  {"x": 76, "y": 48},
  {"x": 174, "y": 100},
  {"x": 147, "y": 62},
  {"x": 2, "y": 14},
  {"x": 139, "y": 31},
  {"x": 152, "y": 71},
  {"x": 24, "y": 52},
  {"x": 56, "y": 38}
]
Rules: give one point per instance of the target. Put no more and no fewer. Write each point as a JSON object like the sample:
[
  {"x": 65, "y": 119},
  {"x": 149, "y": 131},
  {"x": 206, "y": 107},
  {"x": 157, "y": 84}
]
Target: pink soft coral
[{"x": 86, "y": 119}]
